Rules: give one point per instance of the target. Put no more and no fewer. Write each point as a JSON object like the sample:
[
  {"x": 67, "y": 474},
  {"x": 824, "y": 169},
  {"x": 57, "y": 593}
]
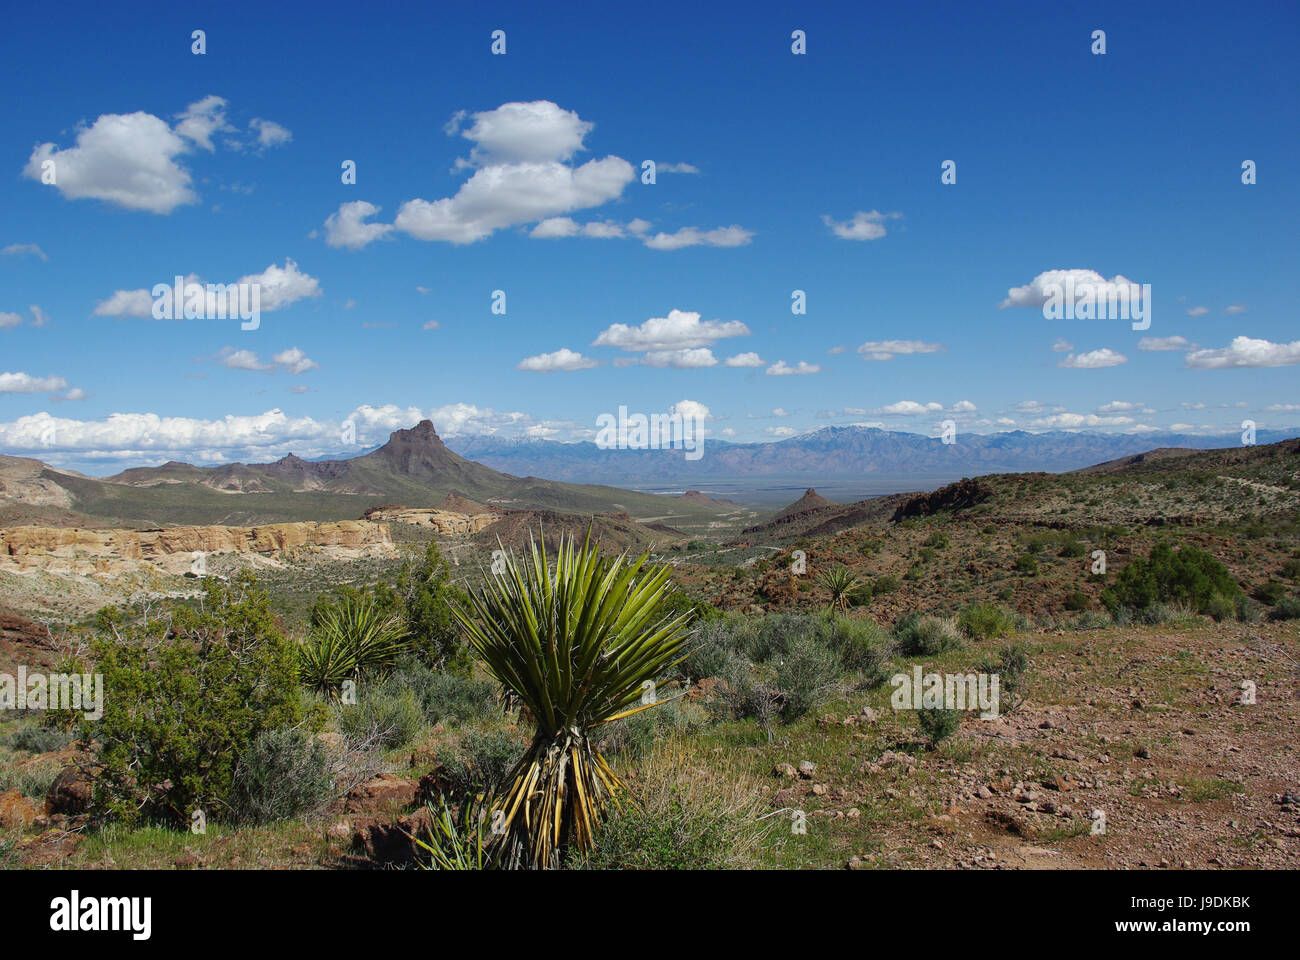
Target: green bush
[
  {"x": 632, "y": 737},
  {"x": 385, "y": 715},
  {"x": 1288, "y": 608},
  {"x": 1269, "y": 593},
  {"x": 984, "y": 621},
  {"x": 937, "y": 723},
  {"x": 1291, "y": 569},
  {"x": 886, "y": 584},
  {"x": 919, "y": 635},
  {"x": 481, "y": 761},
  {"x": 1187, "y": 576},
  {"x": 445, "y": 696},
  {"x": 1076, "y": 600},
  {"x": 37, "y": 738},
  {"x": 862, "y": 645},
  {"x": 1027, "y": 564},
  {"x": 805, "y": 676},
  {"x": 281, "y": 775},
  {"x": 181, "y": 708}
]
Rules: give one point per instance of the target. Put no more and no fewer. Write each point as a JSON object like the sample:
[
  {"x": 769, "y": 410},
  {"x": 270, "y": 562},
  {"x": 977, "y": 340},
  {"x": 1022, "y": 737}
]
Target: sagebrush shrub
[
  {"x": 281, "y": 775},
  {"x": 384, "y": 715},
  {"x": 919, "y": 635}
]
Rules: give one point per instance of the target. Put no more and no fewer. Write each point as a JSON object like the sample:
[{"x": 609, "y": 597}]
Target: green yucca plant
[
  {"x": 575, "y": 638},
  {"x": 349, "y": 640},
  {"x": 457, "y": 841},
  {"x": 840, "y": 582}
]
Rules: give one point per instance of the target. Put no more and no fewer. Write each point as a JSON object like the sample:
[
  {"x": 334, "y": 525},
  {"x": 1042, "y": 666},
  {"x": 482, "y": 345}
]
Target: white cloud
[
  {"x": 9, "y": 320},
  {"x": 1282, "y": 407},
  {"x": 1094, "y": 359},
  {"x": 200, "y": 120},
  {"x": 676, "y": 168},
  {"x": 750, "y": 359},
  {"x": 863, "y": 226},
  {"x": 780, "y": 432},
  {"x": 888, "y": 349},
  {"x": 963, "y": 406},
  {"x": 733, "y": 236},
  {"x": 780, "y": 412},
  {"x": 1034, "y": 293},
  {"x": 684, "y": 359},
  {"x": 522, "y": 133},
  {"x": 241, "y": 360},
  {"x": 558, "y": 227},
  {"x": 124, "y": 159},
  {"x": 908, "y": 408},
  {"x": 1121, "y": 406},
  {"x": 345, "y": 227},
  {"x": 1030, "y": 406},
  {"x": 294, "y": 361},
  {"x": 19, "y": 249},
  {"x": 278, "y": 287},
  {"x": 783, "y": 369},
  {"x": 431, "y": 325},
  {"x": 836, "y": 350},
  {"x": 269, "y": 133},
  {"x": 26, "y": 383},
  {"x": 679, "y": 330},
  {"x": 1246, "y": 352},
  {"x": 691, "y": 409},
  {"x": 1163, "y": 343},
  {"x": 1062, "y": 345},
  {"x": 1075, "y": 421},
  {"x": 1197, "y": 311},
  {"x": 1235, "y": 308},
  {"x": 562, "y": 359}
]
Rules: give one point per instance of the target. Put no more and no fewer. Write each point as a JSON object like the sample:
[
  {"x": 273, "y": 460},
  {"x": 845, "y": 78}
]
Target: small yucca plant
[
  {"x": 840, "y": 582},
  {"x": 350, "y": 639},
  {"x": 575, "y": 638}
]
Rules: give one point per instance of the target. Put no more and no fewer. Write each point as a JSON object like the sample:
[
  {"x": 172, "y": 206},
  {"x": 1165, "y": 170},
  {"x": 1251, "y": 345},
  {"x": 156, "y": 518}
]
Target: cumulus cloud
[
  {"x": 888, "y": 349},
  {"x": 22, "y": 249},
  {"x": 908, "y": 408},
  {"x": 562, "y": 359},
  {"x": 780, "y": 432},
  {"x": 522, "y": 132},
  {"x": 131, "y": 160},
  {"x": 783, "y": 369},
  {"x": 278, "y": 288},
  {"x": 1246, "y": 352},
  {"x": 863, "y": 225},
  {"x": 10, "y": 320},
  {"x": 346, "y": 227},
  {"x": 293, "y": 361},
  {"x": 1094, "y": 359},
  {"x": 1198, "y": 311},
  {"x": 685, "y": 359},
  {"x": 679, "y": 330},
  {"x": 269, "y": 133},
  {"x": 733, "y": 236},
  {"x": 1121, "y": 406},
  {"x": 1034, "y": 293},
  {"x": 1163, "y": 343},
  {"x": 1075, "y": 421},
  {"x": 749, "y": 359},
  {"x": 1062, "y": 345},
  {"x": 25, "y": 383},
  {"x": 1235, "y": 308},
  {"x": 200, "y": 120},
  {"x": 125, "y": 159}
]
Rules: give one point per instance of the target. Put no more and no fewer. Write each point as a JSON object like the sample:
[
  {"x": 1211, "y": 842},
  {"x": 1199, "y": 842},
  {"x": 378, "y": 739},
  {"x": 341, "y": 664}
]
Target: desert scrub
[
  {"x": 481, "y": 760},
  {"x": 282, "y": 775},
  {"x": 806, "y": 676},
  {"x": 863, "y": 646},
  {"x": 984, "y": 621},
  {"x": 937, "y": 724},
  {"x": 632, "y": 737},
  {"x": 919, "y": 635},
  {"x": 38, "y": 738},
  {"x": 385, "y": 714},
  {"x": 446, "y": 696},
  {"x": 1188, "y": 577},
  {"x": 191, "y": 690},
  {"x": 690, "y": 812}
]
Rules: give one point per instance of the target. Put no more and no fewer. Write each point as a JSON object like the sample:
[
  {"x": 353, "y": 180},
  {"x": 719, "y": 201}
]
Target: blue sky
[{"x": 818, "y": 172}]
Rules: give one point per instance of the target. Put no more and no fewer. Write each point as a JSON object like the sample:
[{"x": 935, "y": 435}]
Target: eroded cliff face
[
  {"x": 88, "y": 552},
  {"x": 444, "y": 522}
]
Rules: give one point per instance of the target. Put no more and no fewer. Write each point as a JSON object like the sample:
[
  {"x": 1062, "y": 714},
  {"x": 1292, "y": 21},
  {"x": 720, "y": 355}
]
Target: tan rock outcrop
[
  {"x": 80, "y": 551},
  {"x": 444, "y": 522}
]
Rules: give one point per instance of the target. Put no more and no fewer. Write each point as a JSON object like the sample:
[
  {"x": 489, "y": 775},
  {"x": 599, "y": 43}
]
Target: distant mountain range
[
  {"x": 413, "y": 468},
  {"x": 832, "y": 452}
]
